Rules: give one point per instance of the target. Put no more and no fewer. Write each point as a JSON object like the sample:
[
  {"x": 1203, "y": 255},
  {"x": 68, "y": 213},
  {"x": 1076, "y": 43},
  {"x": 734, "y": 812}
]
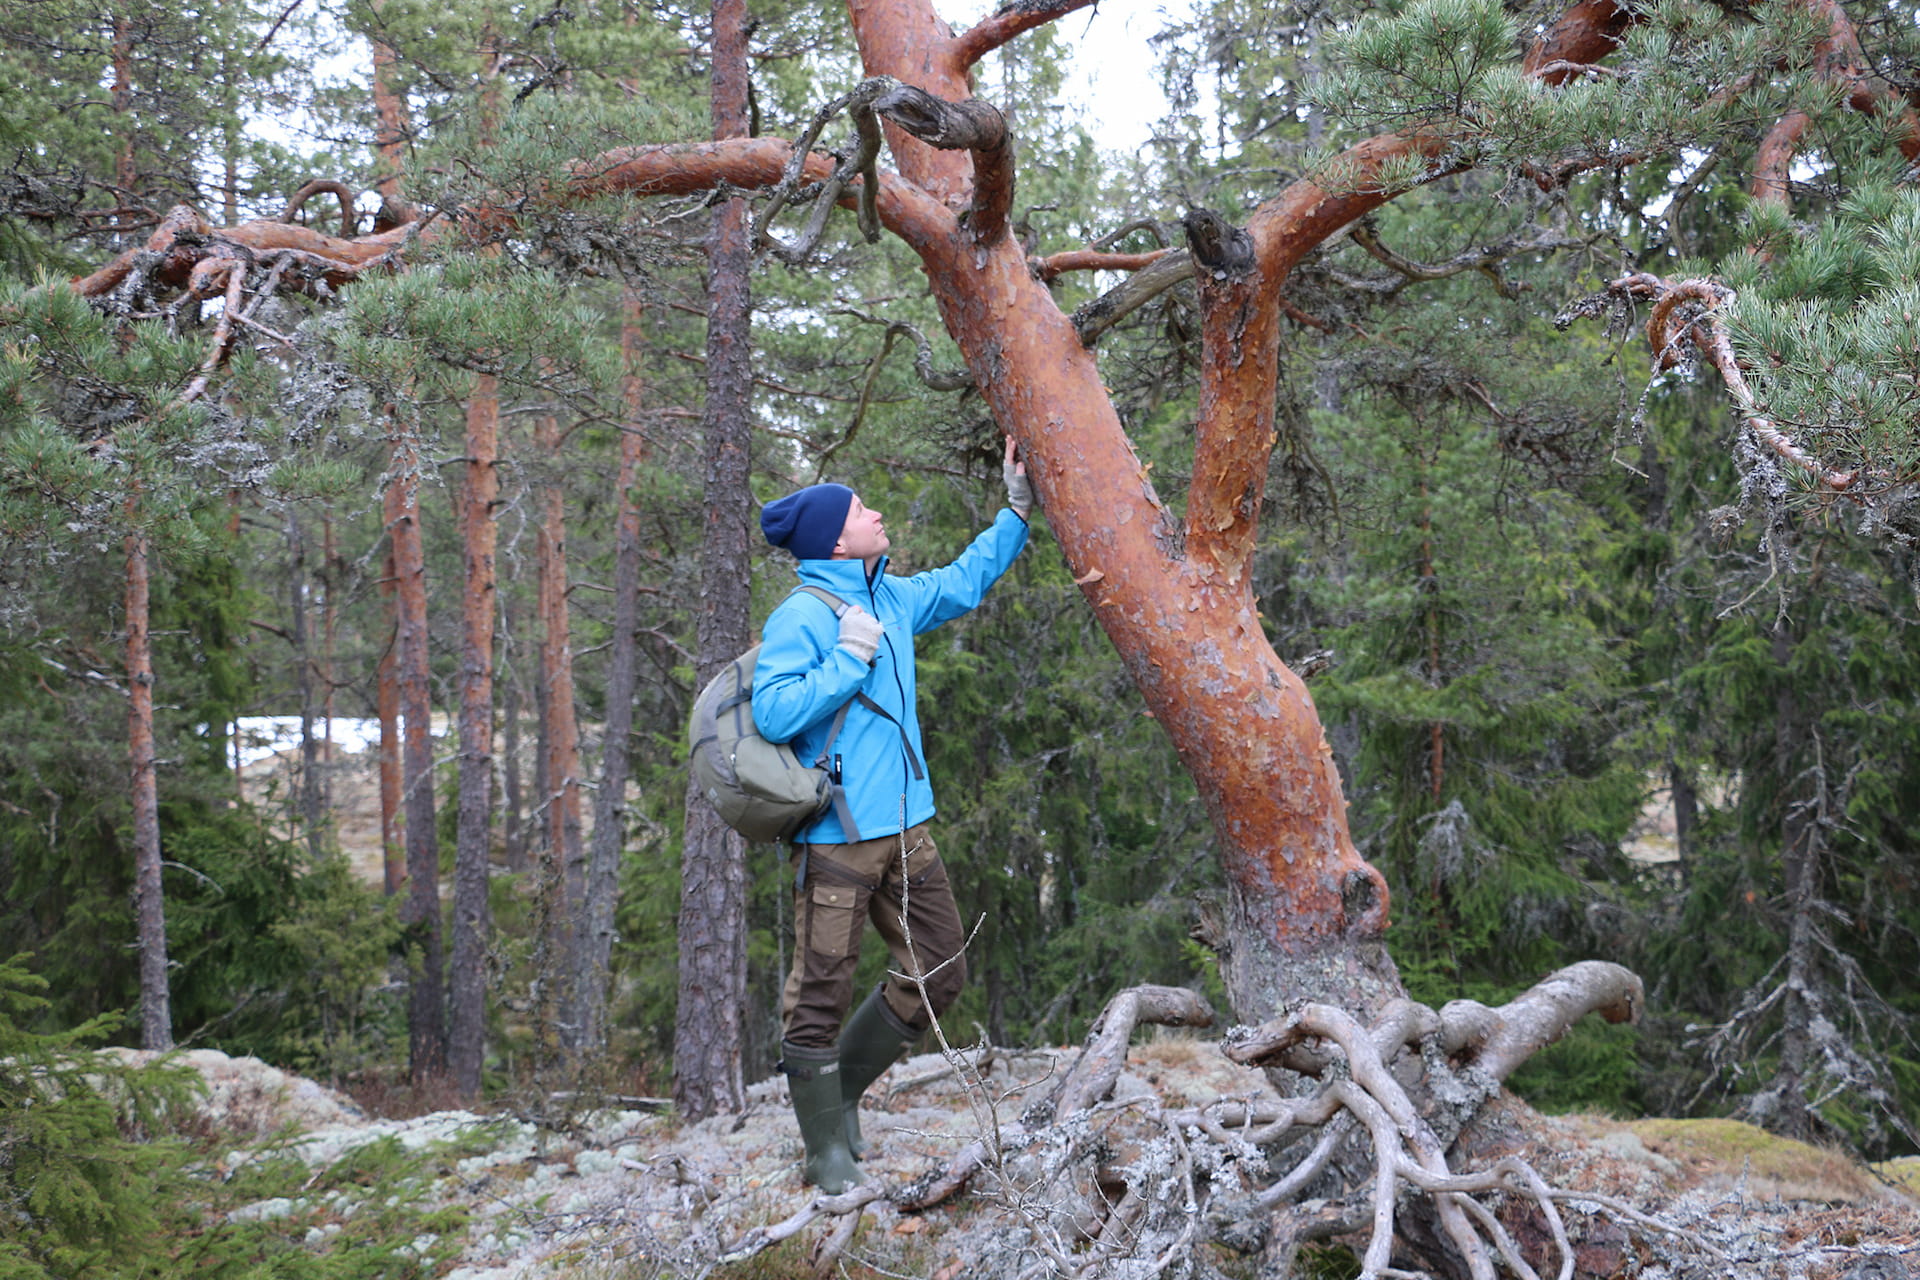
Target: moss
[
  {"x": 1903, "y": 1173},
  {"x": 1772, "y": 1164}
]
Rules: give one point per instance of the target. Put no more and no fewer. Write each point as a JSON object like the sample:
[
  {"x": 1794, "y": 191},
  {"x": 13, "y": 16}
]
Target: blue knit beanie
[{"x": 808, "y": 523}]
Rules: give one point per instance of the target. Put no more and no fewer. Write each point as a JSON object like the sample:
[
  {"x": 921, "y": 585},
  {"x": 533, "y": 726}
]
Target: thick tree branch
[
  {"x": 1587, "y": 32},
  {"x": 1839, "y": 61},
  {"x": 1773, "y": 162},
  {"x": 1007, "y": 22},
  {"x": 184, "y": 240},
  {"x": 1499, "y": 1041},
  {"x": 1127, "y": 297},
  {"x": 1093, "y": 1074}
]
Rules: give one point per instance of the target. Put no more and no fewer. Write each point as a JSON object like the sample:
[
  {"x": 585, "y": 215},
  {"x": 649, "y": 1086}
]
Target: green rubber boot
[
  {"x": 813, "y": 1077},
  {"x": 870, "y": 1041}
]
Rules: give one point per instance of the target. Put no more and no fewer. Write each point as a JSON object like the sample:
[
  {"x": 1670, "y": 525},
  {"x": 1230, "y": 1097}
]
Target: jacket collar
[{"x": 842, "y": 577}]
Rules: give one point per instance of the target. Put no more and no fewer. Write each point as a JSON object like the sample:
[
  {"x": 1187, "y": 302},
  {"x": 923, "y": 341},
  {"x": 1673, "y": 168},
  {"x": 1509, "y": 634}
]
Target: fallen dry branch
[{"x": 848, "y": 1205}]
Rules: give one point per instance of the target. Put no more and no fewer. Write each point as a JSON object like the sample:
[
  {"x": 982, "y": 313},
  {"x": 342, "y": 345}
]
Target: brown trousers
[{"x": 899, "y": 883}]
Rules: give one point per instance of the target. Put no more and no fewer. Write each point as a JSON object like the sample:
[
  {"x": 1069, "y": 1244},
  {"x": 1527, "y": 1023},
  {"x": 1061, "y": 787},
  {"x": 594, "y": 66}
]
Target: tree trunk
[
  {"x": 512, "y": 828},
  {"x": 1306, "y": 914},
  {"x": 156, "y": 1017},
  {"x": 564, "y": 836},
  {"x": 311, "y": 815},
  {"x": 610, "y": 806},
  {"x": 466, "y": 1048},
  {"x": 387, "y": 708},
  {"x": 327, "y": 623},
  {"x": 390, "y": 113},
  {"x": 426, "y": 1002},
  {"x": 712, "y": 987},
  {"x": 1784, "y": 1105}
]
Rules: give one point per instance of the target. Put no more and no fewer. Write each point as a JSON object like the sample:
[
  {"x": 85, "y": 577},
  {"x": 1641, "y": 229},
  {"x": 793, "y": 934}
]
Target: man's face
[{"x": 865, "y": 534}]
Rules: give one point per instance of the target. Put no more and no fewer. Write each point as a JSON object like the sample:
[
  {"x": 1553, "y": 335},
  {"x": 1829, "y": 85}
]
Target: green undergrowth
[
  {"x": 110, "y": 1171},
  {"x": 369, "y": 1215}
]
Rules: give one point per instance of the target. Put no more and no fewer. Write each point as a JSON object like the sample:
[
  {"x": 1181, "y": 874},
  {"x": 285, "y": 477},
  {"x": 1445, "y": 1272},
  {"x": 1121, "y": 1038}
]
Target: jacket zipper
[{"x": 906, "y": 769}]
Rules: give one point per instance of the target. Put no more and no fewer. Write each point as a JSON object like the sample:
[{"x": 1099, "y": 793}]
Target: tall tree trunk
[
  {"x": 390, "y": 115},
  {"x": 426, "y": 999},
  {"x": 327, "y": 621},
  {"x": 393, "y": 862},
  {"x": 1784, "y": 1106},
  {"x": 1306, "y": 914},
  {"x": 156, "y": 1016},
  {"x": 311, "y": 816},
  {"x": 150, "y": 912},
  {"x": 466, "y": 1049},
  {"x": 565, "y": 837},
  {"x": 712, "y": 987},
  {"x": 126, "y": 170},
  {"x": 466, "y": 1045},
  {"x": 610, "y": 805}
]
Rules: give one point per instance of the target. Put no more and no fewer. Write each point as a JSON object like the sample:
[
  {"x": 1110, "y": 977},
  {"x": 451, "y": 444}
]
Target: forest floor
[{"x": 620, "y": 1194}]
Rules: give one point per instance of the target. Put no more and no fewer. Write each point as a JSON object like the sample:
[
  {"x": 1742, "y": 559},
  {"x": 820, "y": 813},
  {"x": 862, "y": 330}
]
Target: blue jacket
[{"x": 804, "y": 676}]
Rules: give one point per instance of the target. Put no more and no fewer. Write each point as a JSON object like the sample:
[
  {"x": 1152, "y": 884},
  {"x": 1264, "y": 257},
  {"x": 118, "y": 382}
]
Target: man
[{"x": 870, "y": 857}]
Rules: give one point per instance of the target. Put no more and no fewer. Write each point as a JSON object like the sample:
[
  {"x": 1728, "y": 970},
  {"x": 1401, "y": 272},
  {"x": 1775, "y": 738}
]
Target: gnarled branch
[
  {"x": 1691, "y": 313},
  {"x": 973, "y": 125},
  {"x": 349, "y": 218}
]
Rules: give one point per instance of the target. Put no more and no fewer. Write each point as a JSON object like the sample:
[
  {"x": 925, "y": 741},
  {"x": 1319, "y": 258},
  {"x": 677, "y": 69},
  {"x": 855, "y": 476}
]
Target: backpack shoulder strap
[{"x": 823, "y": 595}]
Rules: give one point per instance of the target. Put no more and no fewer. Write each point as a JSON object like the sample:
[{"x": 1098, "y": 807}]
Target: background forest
[{"x": 1592, "y": 691}]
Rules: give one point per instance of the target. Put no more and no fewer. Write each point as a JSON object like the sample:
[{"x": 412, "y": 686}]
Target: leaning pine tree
[{"x": 1302, "y": 936}]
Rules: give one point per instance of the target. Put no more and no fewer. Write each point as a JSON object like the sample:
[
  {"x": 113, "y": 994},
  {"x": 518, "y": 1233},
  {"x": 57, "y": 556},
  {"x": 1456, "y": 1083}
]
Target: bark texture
[
  {"x": 710, "y": 1012},
  {"x": 466, "y": 1045},
  {"x": 623, "y": 654},
  {"x": 566, "y": 884},
  {"x": 420, "y": 913},
  {"x": 150, "y": 914}
]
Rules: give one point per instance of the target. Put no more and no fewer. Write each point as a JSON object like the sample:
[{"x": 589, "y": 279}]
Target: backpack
[{"x": 760, "y": 788}]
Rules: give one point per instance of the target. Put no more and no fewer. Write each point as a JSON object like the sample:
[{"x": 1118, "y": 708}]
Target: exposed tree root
[{"x": 1101, "y": 1183}]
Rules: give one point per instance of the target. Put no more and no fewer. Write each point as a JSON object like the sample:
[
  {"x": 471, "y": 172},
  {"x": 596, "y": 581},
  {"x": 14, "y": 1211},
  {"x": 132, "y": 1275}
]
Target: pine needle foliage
[
  {"x": 1831, "y": 331},
  {"x": 77, "y": 1183}
]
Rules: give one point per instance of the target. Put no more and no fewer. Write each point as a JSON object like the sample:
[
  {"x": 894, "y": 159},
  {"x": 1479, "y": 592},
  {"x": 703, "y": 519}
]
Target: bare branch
[
  {"x": 349, "y": 219},
  {"x": 1057, "y": 264},
  {"x": 1100, "y": 315},
  {"x": 1499, "y": 1042},
  {"x": 1092, "y": 1075},
  {"x": 1483, "y": 259}
]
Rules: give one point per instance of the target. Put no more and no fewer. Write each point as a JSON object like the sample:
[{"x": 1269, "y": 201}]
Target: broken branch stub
[{"x": 1219, "y": 248}]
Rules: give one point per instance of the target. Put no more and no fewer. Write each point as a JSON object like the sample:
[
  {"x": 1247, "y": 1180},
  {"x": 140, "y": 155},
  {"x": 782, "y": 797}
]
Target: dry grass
[
  {"x": 1768, "y": 1166},
  {"x": 1903, "y": 1173}
]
